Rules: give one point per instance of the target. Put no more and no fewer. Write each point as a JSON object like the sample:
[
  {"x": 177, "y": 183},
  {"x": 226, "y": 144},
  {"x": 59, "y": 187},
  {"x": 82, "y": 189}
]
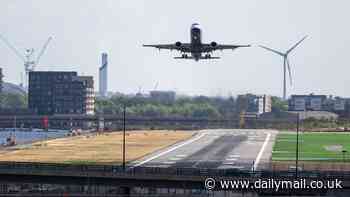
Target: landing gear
[
  {"x": 207, "y": 56},
  {"x": 184, "y": 56}
]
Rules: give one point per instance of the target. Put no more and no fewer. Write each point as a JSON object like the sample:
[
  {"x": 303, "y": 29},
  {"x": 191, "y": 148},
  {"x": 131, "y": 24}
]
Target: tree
[
  {"x": 278, "y": 105},
  {"x": 205, "y": 111},
  {"x": 10, "y": 100}
]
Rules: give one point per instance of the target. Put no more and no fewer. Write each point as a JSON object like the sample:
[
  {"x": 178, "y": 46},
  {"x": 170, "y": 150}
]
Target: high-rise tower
[{"x": 103, "y": 73}]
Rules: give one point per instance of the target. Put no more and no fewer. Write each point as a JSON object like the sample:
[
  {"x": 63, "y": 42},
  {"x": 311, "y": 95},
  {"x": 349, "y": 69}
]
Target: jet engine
[
  {"x": 213, "y": 44},
  {"x": 178, "y": 44}
]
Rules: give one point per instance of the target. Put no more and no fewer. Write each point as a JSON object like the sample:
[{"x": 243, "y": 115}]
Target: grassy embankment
[{"x": 96, "y": 149}]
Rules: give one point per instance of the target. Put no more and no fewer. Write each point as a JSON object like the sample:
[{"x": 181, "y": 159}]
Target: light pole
[
  {"x": 71, "y": 123},
  {"x": 124, "y": 114},
  {"x": 297, "y": 148}
]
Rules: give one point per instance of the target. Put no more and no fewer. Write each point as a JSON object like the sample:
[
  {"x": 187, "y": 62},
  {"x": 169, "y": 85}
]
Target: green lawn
[{"x": 312, "y": 147}]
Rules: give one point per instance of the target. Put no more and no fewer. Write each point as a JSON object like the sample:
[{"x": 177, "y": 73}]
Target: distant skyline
[{"x": 83, "y": 29}]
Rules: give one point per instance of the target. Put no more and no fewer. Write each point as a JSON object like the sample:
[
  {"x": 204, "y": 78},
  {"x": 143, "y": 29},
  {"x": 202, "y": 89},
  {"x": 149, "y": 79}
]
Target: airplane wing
[
  {"x": 210, "y": 47},
  {"x": 183, "y": 47}
]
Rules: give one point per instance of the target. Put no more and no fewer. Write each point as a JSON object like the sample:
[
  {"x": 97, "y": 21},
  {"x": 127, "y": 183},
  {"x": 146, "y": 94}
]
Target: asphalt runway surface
[{"x": 217, "y": 149}]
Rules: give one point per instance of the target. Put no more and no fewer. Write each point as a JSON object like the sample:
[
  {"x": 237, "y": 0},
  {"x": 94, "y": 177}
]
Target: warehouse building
[
  {"x": 309, "y": 102},
  {"x": 337, "y": 105},
  {"x": 60, "y": 93}
]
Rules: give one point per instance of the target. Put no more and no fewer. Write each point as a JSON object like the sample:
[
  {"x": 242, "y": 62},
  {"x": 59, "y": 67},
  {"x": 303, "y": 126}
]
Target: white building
[
  {"x": 257, "y": 104},
  {"x": 264, "y": 104}
]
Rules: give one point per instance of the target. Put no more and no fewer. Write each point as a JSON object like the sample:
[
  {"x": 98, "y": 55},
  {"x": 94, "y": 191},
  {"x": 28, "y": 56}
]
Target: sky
[{"x": 83, "y": 29}]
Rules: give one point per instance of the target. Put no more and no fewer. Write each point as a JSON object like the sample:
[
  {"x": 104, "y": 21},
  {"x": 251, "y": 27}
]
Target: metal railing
[{"x": 115, "y": 171}]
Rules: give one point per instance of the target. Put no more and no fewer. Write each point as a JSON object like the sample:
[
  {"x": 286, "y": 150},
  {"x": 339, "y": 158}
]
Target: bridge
[{"x": 151, "y": 177}]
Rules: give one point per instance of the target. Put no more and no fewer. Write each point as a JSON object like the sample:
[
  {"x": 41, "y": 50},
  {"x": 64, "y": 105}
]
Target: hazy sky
[{"x": 82, "y": 29}]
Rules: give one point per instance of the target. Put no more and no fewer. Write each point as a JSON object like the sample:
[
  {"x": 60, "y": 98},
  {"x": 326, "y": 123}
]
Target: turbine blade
[
  {"x": 272, "y": 50},
  {"x": 293, "y": 47},
  {"x": 289, "y": 71}
]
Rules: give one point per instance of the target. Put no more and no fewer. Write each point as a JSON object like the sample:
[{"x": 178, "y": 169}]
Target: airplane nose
[{"x": 195, "y": 25}]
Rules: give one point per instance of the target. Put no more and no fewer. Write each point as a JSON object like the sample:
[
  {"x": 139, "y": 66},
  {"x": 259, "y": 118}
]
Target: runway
[{"x": 218, "y": 149}]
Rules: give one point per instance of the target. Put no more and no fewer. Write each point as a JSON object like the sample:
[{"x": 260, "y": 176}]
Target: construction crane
[
  {"x": 139, "y": 93},
  {"x": 27, "y": 58},
  {"x": 156, "y": 86}
]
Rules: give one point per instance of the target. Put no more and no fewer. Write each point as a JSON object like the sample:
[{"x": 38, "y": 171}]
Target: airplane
[{"x": 196, "y": 47}]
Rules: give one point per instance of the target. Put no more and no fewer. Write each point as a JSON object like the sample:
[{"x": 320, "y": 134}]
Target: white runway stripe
[
  {"x": 234, "y": 156},
  {"x": 228, "y": 163},
  {"x": 169, "y": 162},
  {"x": 175, "y": 159},
  {"x": 180, "y": 155},
  {"x": 257, "y": 160},
  {"x": 237, "y": 167}
]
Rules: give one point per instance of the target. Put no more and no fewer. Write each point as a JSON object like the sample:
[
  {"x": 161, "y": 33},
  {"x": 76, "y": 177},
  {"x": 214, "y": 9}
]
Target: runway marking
[
  {"x": 228, "y": 163},
  {"x": 231, "y": 159},
  {"x": 180, "y": 155},
  {"x": 237, "y": 156},
  {"x": 237, "y": 167},
  {"x": 175, "y": 158},
  {"x": 168, "y": 162},
  {"x": 257, "y": 160},
  {"x": 171, "y": 149}
]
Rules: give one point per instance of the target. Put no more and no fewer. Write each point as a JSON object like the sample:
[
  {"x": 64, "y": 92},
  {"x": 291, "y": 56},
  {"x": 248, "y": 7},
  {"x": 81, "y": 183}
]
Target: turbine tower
[{"x": 285, "y": 64}]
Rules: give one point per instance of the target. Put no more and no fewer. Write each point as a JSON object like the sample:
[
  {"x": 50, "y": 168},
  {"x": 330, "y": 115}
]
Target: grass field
[
  {"x": 313, "y": 146},
  {"x": 103, "y": 148}
]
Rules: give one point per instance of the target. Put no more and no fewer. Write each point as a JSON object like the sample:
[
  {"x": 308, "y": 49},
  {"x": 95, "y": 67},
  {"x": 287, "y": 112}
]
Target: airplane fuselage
[{"x": 196, "y": 42}]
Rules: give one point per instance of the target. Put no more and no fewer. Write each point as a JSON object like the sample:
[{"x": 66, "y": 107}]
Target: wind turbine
[{"x": 285, "y": 63}]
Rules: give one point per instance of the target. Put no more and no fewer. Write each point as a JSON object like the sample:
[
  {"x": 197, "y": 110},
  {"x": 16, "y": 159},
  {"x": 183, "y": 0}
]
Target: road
[{"x": 244, "y": 149}]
